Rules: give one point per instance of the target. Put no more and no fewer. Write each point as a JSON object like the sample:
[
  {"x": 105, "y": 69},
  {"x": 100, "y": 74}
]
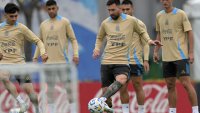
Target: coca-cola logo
[
  {"x": 7, "y": 101},
  {"x": 155, "y": 101}
]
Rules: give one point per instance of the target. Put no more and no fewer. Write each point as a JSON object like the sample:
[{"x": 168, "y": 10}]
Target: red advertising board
[{"x": 155, "y": 102}]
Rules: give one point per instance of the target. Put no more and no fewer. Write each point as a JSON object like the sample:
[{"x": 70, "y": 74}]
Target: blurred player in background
[
  {"x": 175, "y": 32},
  {"x": 12, "y": 37},
  {"x": 138, "y": 48},
  {"x": 118, "y": 29},
  {"x": 55, "y": 33}
]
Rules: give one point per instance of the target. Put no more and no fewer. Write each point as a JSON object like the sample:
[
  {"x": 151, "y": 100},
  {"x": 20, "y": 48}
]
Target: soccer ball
[
  {"x": 96, "y": 105},
  {"x": 15, "y": 110}
]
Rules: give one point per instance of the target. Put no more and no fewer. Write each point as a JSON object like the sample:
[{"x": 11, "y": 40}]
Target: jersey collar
[
  {"x": 174, "y": 11},
  {"x": 122, "y": 17}
]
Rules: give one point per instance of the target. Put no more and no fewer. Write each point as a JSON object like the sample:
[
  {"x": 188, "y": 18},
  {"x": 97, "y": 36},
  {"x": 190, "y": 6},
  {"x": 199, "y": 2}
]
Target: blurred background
[{"x": 85, "y": 17}]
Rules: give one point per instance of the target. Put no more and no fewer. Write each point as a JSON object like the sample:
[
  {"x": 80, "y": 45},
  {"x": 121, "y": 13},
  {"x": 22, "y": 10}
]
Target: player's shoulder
[
  {"x": 45, "y": 22},
  {"x": 179, "y": 11},
  {"x": 2, "y": 24},
  {"x": 20, "y": 25},
  {"x": 160, "y": 13},
  {"x": 140, "y": 22}
]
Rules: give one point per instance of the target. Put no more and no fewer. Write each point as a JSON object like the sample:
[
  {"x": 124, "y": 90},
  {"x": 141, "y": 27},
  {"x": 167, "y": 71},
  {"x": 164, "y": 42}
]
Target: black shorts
[
  {"x": 176, "y": 68},
  {"x": 110, "y": 71},
  {"x": 23, "y": 79},
  {"x": 136, "y": 70}
]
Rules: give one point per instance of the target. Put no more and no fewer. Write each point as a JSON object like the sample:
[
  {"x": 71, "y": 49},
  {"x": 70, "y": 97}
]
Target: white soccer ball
[
  {"x": 96, "y": 105},
  {"x": 15, "y": 110}
]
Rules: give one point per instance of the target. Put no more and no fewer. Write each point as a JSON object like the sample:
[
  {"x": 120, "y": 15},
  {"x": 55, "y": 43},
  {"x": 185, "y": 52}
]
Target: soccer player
[
  {"x": 55, "y": 32},
  {"x": 137, "y": 66},
  {"x": 118, "y": 29},
  {"x": 13, "y": 35},
  {"x": 175, "y": 32}
]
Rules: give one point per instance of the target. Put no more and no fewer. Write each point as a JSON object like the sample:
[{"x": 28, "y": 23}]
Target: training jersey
[
  {"x": 138, "y": 48},
  {"x": 173, "y": 27},
  {"x": 12, "y": 38},
  {"x": 118, "y": 34},
  {"x": 55, "y": 34}
]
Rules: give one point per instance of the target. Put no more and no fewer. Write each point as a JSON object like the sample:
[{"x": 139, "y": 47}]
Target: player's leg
[
  {"x": 107, "y": 78},
  {"x": 28, "y": 88},
  {"x": 66, "y": 80},
  {"x": 121, "y": 76},
  {"x": 136, "y": 76},
  {"x": 5, "y": 77},
  {"x": 124, "y": 97},
  {"x": 169, "y": 72},
  {"x": 183, "y": 71},
  {"x": 51, "y": 77}
]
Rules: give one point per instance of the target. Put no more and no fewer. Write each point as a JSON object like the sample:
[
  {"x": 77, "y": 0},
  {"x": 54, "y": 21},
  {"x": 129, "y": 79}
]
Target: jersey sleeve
[
  {"x": 186, "y": 23},
  {"x": 30, "y": 36},
  {"x": 157, "y": 23},
  {"x": 72, "y": 37},
  {"x": 100, "y": 36},
  {"x": 141, "y": 31},
  {"x": 37, "y": 51}
]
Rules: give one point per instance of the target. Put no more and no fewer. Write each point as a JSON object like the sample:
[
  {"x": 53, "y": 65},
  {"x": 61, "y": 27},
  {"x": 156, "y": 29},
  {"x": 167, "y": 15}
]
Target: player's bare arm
[{"x": 191, "y": 46}]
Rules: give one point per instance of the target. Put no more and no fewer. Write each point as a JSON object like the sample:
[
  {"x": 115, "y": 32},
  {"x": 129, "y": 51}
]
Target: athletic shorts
[
  {"x": 136, "y": 70},
  {"x": 110, "y": 71},
  {"x": 23, "y": 79},
  {"x": 176, "y": 68}
]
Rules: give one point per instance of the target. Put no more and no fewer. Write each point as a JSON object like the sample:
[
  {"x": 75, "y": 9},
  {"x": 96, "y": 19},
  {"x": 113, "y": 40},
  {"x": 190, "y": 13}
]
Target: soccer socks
[
  {"x": 172, "y": 110},
  {"x": 20, "y": 100},
  {"x": 112, "y": 89},
  {"x": 195, "y": 109},
  {"x": 125, "y": 108},
  {"x": 140, "y": 108}
]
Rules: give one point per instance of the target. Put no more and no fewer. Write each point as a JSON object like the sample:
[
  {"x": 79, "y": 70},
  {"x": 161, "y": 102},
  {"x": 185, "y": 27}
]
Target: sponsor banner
[{"x": 155, "y": 101}]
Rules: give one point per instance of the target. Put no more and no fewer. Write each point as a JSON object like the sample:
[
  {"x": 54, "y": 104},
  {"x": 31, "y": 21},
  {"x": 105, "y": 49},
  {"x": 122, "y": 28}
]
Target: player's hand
[
  {"x": 96, "y": 54},
  {"x": 44, "y": 57},
  {"x": 76, "y": 60},
  {"x": 155, "y": 57},
  {"x": 191, "y": 58},
  {"x": 155, "y": 43},
  {"x": 35, "y": 60},
  {"x": 146, "y": 66},
  {"x": 1, "y": 56}
]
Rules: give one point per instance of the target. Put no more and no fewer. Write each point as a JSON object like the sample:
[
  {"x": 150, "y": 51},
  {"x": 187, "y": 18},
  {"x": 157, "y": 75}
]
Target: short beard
[{"x": 114, "y": 17}]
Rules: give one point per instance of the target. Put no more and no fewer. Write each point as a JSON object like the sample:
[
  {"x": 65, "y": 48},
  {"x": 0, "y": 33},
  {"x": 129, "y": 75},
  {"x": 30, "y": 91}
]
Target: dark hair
[
  {"x": 127, "y": 2},
  {"x": 51, "y": 2},
  {"x": 110, "y": 2},
  {"x": 11, "y": 8}
]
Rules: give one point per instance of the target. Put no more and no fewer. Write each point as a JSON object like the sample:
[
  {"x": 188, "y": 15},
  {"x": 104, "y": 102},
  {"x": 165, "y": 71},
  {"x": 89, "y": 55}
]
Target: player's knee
[
  {"x": 122, "y": 79},
  {"x": 171, "y": 86}
]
